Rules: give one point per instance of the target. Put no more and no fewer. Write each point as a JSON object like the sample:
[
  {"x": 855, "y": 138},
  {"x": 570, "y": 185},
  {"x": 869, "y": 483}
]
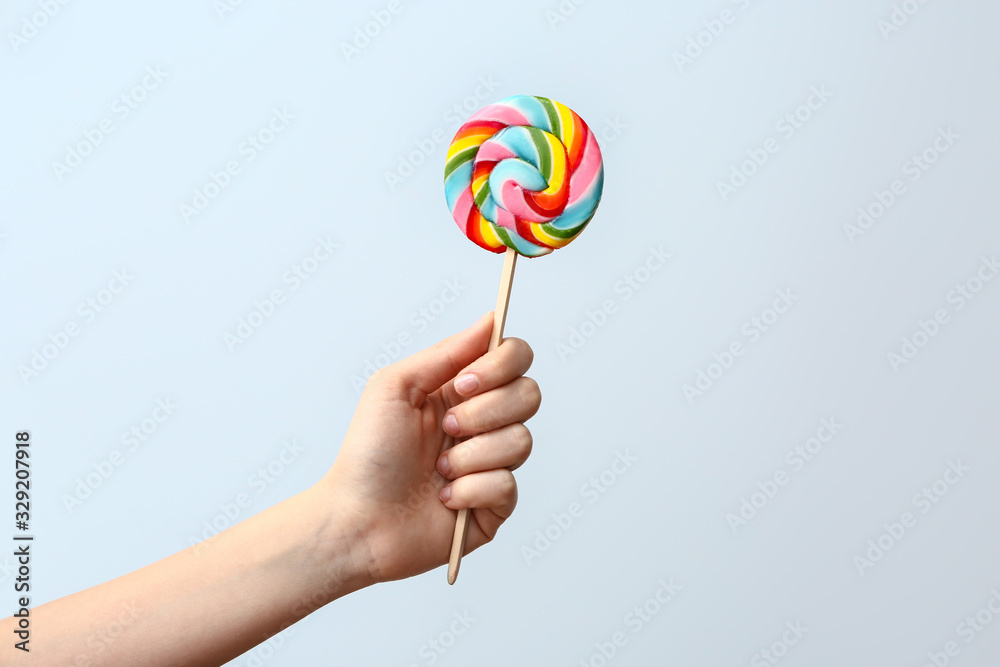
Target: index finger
[
  {"x": 509, "y": 361},
  {"x": 435, "y": 366}
]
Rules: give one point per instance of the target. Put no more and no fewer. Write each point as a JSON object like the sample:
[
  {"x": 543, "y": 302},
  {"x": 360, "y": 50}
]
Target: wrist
[{"x": 343, "y": 562}]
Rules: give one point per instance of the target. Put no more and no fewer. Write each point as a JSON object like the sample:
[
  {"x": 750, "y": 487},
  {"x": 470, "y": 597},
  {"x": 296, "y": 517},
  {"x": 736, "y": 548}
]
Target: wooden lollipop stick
[{"x": 499, "y": 319}]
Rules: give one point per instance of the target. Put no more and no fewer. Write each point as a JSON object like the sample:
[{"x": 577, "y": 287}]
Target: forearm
[{"x": 209, "y": 603}]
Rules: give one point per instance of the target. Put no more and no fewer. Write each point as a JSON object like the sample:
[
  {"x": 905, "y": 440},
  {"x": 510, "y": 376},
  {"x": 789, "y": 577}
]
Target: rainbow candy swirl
[{"x": 525, "y": 173}]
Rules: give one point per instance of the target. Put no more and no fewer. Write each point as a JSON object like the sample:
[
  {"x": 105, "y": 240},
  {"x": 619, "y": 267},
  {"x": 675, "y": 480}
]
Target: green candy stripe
[
  {"x": 566, "y": 233},
  {"x": 544, "y": 152},
  {"x": 459, "y": 159},
  {"x": 550, "y": 110},
  {"x": 483, "y": 195},
  {"x": 504, "y": 235}
]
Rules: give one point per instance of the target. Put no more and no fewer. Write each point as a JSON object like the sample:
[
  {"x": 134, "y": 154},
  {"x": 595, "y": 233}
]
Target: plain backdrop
[{"x": 769, "y": 365}]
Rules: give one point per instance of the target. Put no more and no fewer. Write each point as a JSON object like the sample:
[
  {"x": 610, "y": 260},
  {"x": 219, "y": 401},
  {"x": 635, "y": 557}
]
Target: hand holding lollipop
[{"x": 525, "y": 175}]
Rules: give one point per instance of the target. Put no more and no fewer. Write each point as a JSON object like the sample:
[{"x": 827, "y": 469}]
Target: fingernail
[
  {"x": 466, "y": 384},
  {"x": 450, "y": 424},
  {"x": 444, "y": 465},
  {"x": 445, "y": 494}
]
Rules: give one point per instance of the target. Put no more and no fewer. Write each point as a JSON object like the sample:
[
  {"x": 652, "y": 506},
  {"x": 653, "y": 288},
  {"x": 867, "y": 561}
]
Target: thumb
[{"x": 428, "y": 369}]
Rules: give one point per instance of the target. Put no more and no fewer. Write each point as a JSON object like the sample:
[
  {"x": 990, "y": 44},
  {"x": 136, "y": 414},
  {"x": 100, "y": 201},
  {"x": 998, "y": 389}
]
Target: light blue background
[{"x": 669, "y": 134}]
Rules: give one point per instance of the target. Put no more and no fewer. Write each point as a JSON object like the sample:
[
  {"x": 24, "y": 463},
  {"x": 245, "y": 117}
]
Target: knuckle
[
  {"x": 510, "y": 494},
  {"x": 493, "y": 367},
  {"x": 520, "y": 348},
  {"x": 530, "y": 354},
  {"x": 522, "y": 440},
  {"x": 531, "y": 393},
  {"x": 507, "y": 485}
]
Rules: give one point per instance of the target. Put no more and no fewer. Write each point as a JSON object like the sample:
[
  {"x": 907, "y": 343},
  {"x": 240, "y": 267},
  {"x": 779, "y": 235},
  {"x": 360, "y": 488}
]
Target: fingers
[
  {"x": 516, "y": 401},
  {"x": 428, "y": 369},
  {"x": 511, "y": 359},
  {"x": 506, "y": 447},
  {"x": 490, "y": 399},
  {"x": 495, "y": 490},
  {"x": 496, "y": 393}
]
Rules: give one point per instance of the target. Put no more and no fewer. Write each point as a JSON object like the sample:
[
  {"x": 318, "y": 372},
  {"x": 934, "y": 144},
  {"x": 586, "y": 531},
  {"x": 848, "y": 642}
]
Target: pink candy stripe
[
  {"x": 492, "y": 151},
  {"x": 586, "y": 172},
  {"x": 462, "y": 208},
  {"x": 500, "y": 113},
  {"x": 505, "y": 219},
  {"x": 512, "y": 199}
]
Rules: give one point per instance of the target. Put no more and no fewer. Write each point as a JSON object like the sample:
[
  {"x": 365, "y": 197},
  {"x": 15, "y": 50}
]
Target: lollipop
[
  {"x": 522, "y": 176},
  {"x": 525, "y": 174}
]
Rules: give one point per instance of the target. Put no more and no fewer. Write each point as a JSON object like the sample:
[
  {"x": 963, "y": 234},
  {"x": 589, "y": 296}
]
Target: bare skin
[{"x": 384, "y": 511}]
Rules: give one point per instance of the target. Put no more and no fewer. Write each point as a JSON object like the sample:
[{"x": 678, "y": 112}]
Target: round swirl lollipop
[
  {"x": 525, "y": 173},
  {"x": 524, "y": 176}
]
